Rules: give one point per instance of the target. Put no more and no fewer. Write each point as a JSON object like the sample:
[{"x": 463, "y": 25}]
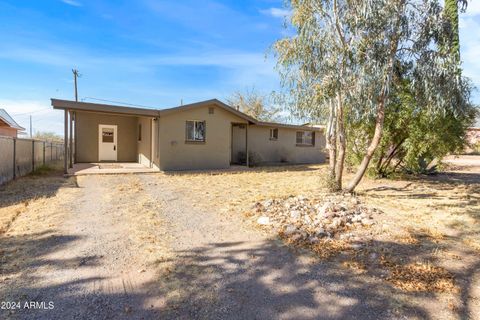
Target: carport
[{"x": 97, "y": 134}]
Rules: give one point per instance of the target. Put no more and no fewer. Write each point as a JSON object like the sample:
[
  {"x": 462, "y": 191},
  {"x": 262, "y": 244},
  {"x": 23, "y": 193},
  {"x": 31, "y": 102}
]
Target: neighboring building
[
  {"x": 8, "y": 126},
  {"x": 473, "y": 139},
  {"x": 203, "y": 135}
]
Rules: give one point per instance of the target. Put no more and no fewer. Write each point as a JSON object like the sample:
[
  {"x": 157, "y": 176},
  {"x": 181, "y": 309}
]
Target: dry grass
[
  {"x": 37, "y": 193},
  {"x": 422, "y": 217},
  {"x": 238, "y": 191},
  {"x": 31, "y": 209},
  {"x": 416, "y": 277}
]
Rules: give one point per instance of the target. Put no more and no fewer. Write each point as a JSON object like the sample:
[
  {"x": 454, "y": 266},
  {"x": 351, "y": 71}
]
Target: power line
[
  {"x": 118, "y": 102},
  {"x": 28, "y": 113}
]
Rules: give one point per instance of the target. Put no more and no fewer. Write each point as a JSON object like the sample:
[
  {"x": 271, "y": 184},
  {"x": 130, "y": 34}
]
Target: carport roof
[{"x": 103, "y": 108}]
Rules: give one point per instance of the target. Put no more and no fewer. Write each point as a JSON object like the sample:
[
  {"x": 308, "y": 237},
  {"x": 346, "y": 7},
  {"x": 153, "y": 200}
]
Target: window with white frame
[
  {"x": 305, "y": 138},
  {"x": 195, "y": 131},
  {"x": 274, "y": 134}
]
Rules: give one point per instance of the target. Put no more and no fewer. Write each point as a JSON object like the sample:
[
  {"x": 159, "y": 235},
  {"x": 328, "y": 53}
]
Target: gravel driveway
[{"x": 91, "y": 265}]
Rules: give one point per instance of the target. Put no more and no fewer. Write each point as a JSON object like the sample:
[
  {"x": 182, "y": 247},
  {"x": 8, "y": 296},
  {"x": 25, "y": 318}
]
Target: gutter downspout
[
  {"x": 158, "y": 139},
  {"x": 246, "y": 145},
  {"x": 151, "y": 142}
]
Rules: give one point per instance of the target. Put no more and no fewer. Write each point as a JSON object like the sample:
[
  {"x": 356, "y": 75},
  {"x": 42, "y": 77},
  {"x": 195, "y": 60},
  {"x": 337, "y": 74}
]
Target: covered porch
[{"x": 101, "y": 139}]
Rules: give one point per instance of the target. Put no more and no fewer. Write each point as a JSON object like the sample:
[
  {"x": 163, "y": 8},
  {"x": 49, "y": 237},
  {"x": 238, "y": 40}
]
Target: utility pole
[
  {"x": 71, "y": 114},
  {"x": 75, "y": 76},
  {"x": 31, "y": 136}
]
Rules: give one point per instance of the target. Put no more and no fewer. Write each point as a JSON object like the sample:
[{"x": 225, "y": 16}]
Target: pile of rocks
[{"x": 300, "y": 218}]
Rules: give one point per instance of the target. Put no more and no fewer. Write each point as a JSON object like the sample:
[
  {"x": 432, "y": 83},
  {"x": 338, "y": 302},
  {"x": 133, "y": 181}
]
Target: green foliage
[
  {"x": 414, "y": 136},
  {"x": 43, "y": 170},
  {"x": 391, "y": 66},
  {"x": 451, "y": 12}
]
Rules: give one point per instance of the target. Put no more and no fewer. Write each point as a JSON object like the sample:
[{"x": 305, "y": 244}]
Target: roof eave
[{"x": 102, "y": 108}]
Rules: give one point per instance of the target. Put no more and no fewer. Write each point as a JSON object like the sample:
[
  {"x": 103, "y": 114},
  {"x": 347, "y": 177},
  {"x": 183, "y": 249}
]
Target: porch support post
[
  {"x": 65, "y": 142},
  {"x": 246, "y": 145},
  {"x": 70, "y": 141},
  {"x": 74, "y": 137},
  {"x": 151, "y": 143}
]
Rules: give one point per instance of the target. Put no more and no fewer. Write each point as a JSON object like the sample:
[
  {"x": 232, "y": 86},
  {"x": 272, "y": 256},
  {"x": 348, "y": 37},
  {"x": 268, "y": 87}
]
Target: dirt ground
[{"x": 183, "y": 246}]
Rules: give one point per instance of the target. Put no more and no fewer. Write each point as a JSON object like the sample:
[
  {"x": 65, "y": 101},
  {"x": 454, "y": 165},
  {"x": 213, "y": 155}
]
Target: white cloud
[
  {"x": 473, "y": 8},
  {"x": 277, "y": 12},
  {"x": 72, "y": 3},
  {"x": 470, "y": 47},
  {"x": 44, "y": 118}
]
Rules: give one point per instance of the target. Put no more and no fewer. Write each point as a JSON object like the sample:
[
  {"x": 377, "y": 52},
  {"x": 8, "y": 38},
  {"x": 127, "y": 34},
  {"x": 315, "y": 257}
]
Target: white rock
[
  {"x": 367, "y": 222},
  {"x": 263, "y": 220},
  {"x": 313, "y": 239},
  {"x": 267, "y": 203},
  {"x": 295, "y": 214},
  {"x": 290, "y": 229},
  {"x": 324, "y": 208}
]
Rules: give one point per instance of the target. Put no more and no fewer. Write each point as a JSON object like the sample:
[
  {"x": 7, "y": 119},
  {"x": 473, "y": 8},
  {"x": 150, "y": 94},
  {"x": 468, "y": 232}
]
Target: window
[
  {"x": 195, "y": 131},
  {"x": 274, "y": 134},
  {"x": 107, "y": 135},
  {"x": 305, "y": 138},
  {"x": 139, "y": 132},
  {"x": 211, "y": 110}
]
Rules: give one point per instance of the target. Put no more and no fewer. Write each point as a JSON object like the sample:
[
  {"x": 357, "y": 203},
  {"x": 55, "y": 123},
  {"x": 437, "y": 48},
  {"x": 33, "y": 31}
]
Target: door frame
[
  {"x": 115, "y": 141},
  {"x": 245, "y": 149}
]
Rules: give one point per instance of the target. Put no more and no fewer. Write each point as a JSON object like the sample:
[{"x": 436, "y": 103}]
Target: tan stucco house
[{"x": 203, "y": 135}]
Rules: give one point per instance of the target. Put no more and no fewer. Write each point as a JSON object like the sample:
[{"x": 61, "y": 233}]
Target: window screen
[{"x": 306, "y": 138}]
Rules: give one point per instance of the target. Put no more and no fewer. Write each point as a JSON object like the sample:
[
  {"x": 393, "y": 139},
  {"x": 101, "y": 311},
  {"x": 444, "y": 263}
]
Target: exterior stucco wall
[
  {"x": 214, "y": 153},
  {"x": 285, "y": 148},
  {"x": 87, "y": 136},
  {"x": 144, "y": 145}
]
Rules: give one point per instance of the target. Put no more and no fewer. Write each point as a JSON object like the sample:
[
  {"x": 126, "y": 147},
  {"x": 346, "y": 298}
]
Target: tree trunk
[
  {"x": 377, "y": 135},
  {"x": 331, "y": 145},
  {"x": 341, "y": 145},
  {"x": 451, "y": 11},
  {"x": 371, "y": 148},
  {"x": 390, "y": 157}
]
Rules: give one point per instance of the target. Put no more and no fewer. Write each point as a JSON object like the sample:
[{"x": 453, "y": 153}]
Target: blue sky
[{"x": 147, "y": 52}]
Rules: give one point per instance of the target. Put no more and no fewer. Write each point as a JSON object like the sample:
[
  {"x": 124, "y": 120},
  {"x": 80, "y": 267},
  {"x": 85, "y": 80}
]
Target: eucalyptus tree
[
  {"x": 339, "y": 64},
  {"x": 451, "y": 12}
]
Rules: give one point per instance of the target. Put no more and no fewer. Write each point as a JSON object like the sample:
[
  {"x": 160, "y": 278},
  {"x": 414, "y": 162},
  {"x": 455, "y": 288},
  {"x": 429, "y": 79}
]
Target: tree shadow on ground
[
  {"x": 236, "y": 280},
  {"x": 446, "y": 190},
  {"x": 31, "y": 187},
  {"x": 269, "y": 281}
]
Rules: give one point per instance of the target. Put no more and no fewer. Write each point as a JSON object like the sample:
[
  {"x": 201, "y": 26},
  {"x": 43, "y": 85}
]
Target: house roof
[
  {"x": 215, "y": 102},
  {"x": 116, "y": 109},
  {"x": 5, "y": 117}
]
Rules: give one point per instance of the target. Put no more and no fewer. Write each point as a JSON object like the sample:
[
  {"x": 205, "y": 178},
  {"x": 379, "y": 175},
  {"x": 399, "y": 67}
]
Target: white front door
[{"x": 107, "y": 142}]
